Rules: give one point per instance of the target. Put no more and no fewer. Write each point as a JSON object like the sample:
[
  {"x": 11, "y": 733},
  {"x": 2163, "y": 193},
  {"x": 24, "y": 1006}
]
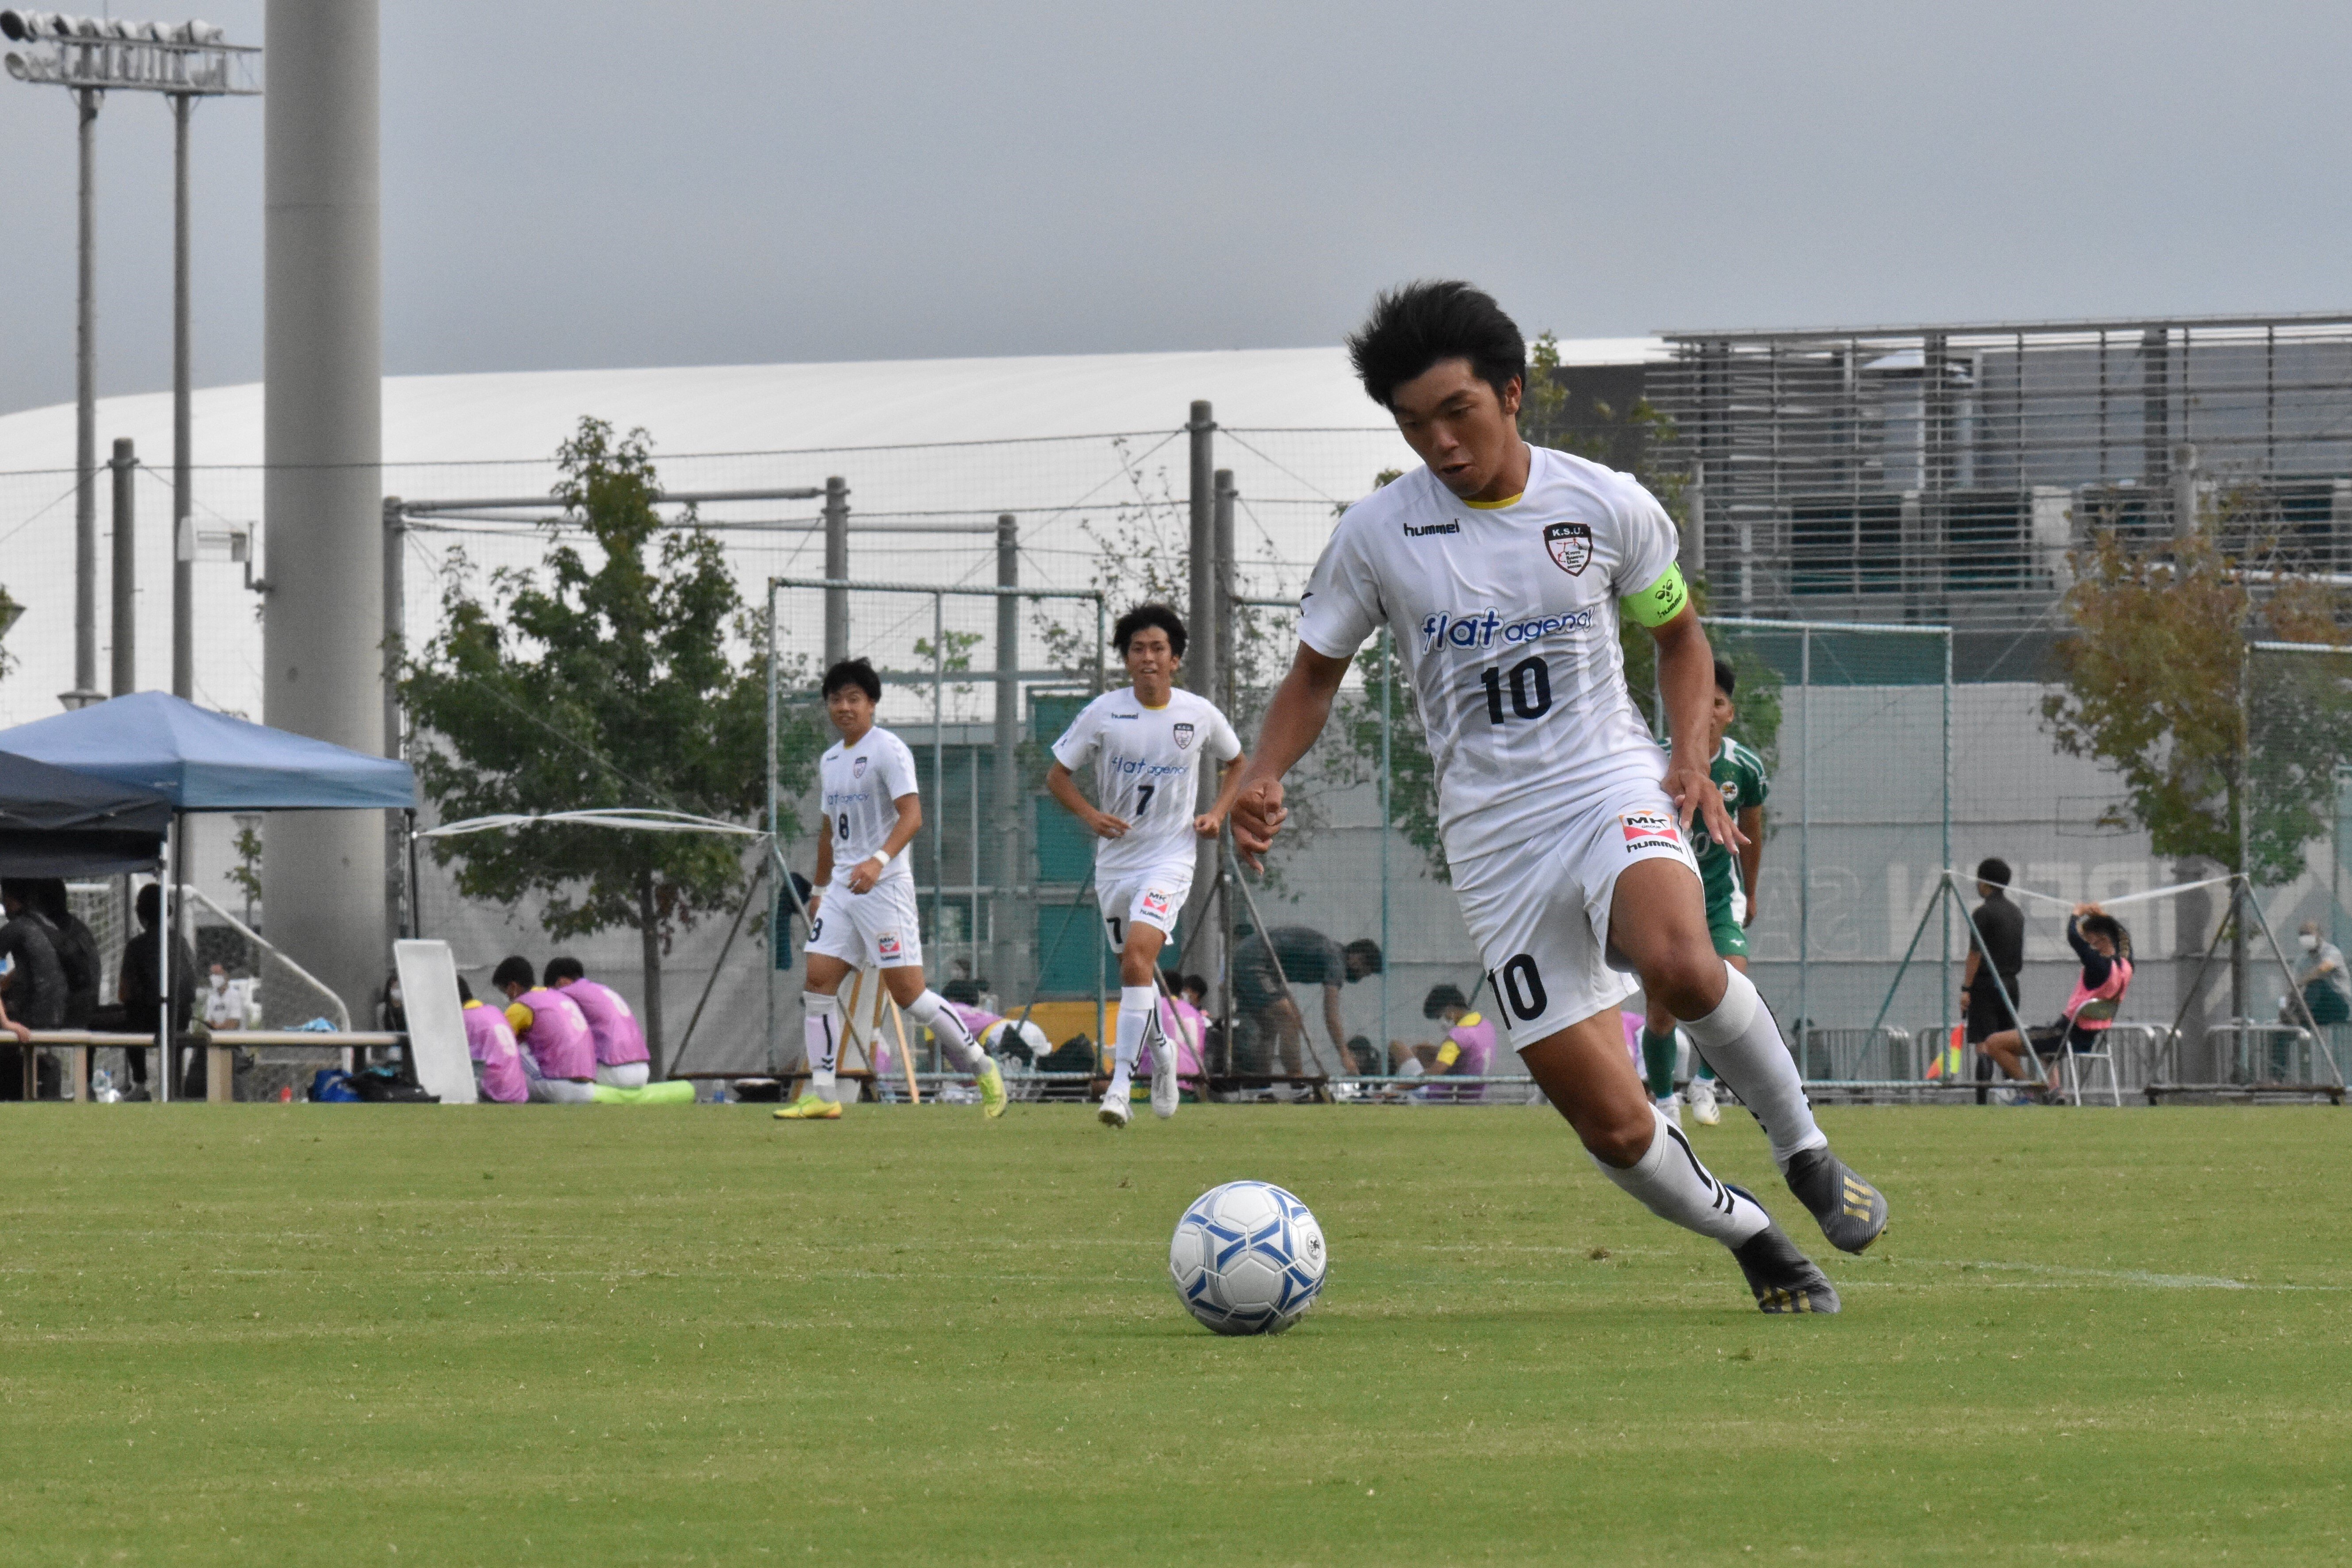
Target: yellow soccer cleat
[
  {"x": 810, "y": 1108},
  {"x": 991, "y": 1080}
]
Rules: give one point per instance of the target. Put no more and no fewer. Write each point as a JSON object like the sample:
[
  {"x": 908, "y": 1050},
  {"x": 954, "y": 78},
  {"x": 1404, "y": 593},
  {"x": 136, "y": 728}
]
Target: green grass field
[{"x": 260, "y": 1334}]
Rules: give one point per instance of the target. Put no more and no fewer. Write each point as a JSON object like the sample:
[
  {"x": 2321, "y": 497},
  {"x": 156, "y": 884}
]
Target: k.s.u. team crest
[
  {"x": 1571, "y": 545},
  {"x": 1649, "y": 829},
  {"x": 1184, "y": 734},
  {"x": 857, "y": 767}
]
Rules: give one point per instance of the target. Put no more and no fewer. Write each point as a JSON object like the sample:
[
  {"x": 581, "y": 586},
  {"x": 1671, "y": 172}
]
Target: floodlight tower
[
  {"x": 90, "y": 57},
  {"x": 323, "y": 873}
]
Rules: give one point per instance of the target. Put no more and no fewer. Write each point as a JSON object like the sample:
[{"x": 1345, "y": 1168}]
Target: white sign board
[{"x": 437, "y": 1022}]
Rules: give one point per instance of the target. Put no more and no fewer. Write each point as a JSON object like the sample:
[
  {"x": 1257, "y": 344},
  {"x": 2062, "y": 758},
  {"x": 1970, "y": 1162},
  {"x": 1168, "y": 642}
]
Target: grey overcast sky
[{"x": 573, "y": 182}]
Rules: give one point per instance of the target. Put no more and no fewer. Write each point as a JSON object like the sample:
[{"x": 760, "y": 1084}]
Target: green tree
[
  {"x": 2224, "y": 754},
  {"x": 606, "y": 680}
]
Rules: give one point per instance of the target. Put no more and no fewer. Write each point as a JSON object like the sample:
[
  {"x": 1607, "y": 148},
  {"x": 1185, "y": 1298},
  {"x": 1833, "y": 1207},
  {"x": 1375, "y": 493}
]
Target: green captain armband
[{"x": 1661, "y": 602}]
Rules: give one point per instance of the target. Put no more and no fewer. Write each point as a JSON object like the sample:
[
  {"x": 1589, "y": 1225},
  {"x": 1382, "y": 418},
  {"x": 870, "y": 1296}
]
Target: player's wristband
[{"x": 1661, "y": 602}]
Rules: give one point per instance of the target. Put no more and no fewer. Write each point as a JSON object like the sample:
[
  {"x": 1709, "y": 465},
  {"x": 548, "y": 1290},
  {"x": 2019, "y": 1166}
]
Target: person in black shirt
[
  {"x": 1299, "y": 956},
  {"x": 2001, "y": 925},
  {"x": 77, "y": 947},
  {"x": 35, "y": 985},
  {"x": 138, "y": 991}
]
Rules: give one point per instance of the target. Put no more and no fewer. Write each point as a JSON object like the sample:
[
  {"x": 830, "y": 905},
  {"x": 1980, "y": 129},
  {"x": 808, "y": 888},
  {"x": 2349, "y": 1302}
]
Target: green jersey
[{"x": 1738, "y": 773}]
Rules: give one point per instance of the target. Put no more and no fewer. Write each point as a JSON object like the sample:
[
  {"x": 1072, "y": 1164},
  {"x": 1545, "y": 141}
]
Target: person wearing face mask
[{"x": 2327, "y": 987}]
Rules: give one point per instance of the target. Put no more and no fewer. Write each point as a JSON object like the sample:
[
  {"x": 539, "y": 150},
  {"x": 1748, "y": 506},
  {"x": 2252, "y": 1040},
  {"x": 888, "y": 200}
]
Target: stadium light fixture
[{"x": 91, "y": 57}]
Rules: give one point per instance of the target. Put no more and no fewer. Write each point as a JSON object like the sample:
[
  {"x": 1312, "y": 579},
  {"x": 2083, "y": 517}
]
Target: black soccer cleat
[
  {"x": 1851, "y": 1212},
  {"x": 1783, "y": 1279}
]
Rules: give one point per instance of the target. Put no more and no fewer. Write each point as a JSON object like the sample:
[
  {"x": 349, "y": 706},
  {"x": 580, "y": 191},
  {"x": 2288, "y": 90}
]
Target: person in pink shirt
[
  {"x": 498, "y": 1059},
  {"x": 992, "y": 1030},
  {"x": 1468, "y": 1051},
  {"x": 622, "y": 1060},
  {"x": 561, "y": 1057},
  {"x": 1182, "y": 1020}
]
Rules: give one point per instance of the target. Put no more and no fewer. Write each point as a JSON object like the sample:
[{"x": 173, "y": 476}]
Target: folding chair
[{"x": 2074, "y": 1076}]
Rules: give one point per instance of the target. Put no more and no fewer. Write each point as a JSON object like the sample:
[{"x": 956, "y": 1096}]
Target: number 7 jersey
[
  {"x": 1505, "y": 616},
  {"x": 1147, "y": 772}
]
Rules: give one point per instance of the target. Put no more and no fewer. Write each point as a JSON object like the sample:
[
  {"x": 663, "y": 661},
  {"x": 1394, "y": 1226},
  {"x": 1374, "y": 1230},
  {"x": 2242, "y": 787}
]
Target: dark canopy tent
[
  {"x": 56, "y": 822},
  {"x": 199, "y": 760}
]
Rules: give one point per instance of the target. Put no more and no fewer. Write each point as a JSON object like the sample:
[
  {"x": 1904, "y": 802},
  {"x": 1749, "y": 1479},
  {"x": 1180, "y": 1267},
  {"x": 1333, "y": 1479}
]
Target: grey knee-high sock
[
  {"x": 1672, "y": 1183},
  {"x": 1740, "y": 1038}
]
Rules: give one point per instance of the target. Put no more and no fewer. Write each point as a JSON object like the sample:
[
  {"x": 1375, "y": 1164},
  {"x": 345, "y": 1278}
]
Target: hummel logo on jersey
[
  {"x": 1649, "y": 831},
  {"x": 1184, "y": 734},
  {"x": 1421, "y": 533},
  {"x": 1571, "y": 545}
]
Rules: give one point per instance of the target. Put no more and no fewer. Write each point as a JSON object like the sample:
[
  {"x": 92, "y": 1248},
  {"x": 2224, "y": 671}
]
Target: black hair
[
  {"x": 1442, "y": 997},
  {"x": 1417, "y": 326},
  {"x": 149, "y": 905},
  {"x": 853, "y": 673},
  {"x": 1727, "y": 679},
  {"x": 465, "y": 991},
  {"x": 558, "y": 971},
  {"x": 514, "y": 971},
  {"x": 964, "y": 992},
  {"x": 1163, "y": 616},
  {"x": 1367, "y": 951},
  {"x": 2108, "y": 926},
  {"x": 1193, "y": 983},
  {"x": 1994, "y": 870}
]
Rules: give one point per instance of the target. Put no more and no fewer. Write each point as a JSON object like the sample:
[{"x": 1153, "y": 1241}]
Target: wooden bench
[{"x": 219, "y": 1045}]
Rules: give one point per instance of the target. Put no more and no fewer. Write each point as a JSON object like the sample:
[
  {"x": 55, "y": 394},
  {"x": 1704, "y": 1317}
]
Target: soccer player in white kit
[
  {"x": 1146, "y": 743},
  {"x": 865, "y": 915},
  {"x": 1500, "y": 568}
]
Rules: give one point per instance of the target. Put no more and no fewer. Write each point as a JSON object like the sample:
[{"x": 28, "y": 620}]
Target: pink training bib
[
  {"x": 492, "y": 1042},
  {"x": 557, "y": 1035},
  {"x": 619, "y": 1038}
]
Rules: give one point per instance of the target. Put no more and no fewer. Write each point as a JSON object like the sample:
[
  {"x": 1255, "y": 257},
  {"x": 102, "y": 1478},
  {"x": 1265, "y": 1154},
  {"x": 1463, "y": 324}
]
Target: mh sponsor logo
[
  {"x": 1649, "y": 831},
  {"x": 1486, "y": 629}
]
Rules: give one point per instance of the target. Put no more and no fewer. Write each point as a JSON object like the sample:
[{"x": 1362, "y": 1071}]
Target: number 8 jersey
[
  {"x": 1147, "y": 772},
  {"x": 1505, "y": 614}
]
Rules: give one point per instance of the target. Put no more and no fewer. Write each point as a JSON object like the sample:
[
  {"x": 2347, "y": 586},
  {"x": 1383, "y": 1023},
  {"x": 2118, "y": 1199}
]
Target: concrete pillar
[
  {"x": 323, "y": 871},
  {"x": 837, "y": 569},
  {"x": 1005, "y": 907},
  {"x": 124, "y": 468}
]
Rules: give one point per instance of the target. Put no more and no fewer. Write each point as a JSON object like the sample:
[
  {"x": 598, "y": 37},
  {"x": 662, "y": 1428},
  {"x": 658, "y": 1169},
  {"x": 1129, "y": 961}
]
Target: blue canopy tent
[{"x": 204, "y": 761}]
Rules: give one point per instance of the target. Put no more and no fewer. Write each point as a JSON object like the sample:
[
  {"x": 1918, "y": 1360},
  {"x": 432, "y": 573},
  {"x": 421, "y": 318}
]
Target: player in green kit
[{"x": 1726, "y": 876}]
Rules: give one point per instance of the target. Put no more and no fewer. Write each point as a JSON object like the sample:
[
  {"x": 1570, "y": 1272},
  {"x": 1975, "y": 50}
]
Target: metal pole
[
  {"x": 1003, "y": 911},
  {"x": 323, "y": 446},
  {"x": 1805, "y": 845},
  {"x": 1204, "y": 608},
  {"x": 836, "y": 568},
  {"x": 938, "y": 766},
  {"x": 124, "y": 468},
  {"x": 86, "y": 101},
  {"x": 1213, "y": 637},
  {"x": 183, "y": 529},
  {"x": 395, "y": 629},
  {"x": 1946, "y": 972},
  {"x": 775, "y": 843}
]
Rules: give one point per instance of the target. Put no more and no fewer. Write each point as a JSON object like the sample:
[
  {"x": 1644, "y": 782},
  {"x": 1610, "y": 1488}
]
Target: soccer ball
[{"x": 1247, "y": 1259}]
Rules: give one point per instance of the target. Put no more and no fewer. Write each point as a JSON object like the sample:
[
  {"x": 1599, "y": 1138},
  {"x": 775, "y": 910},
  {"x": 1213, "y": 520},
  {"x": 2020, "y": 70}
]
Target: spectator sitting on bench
[
  {"x": 1468, "y": 1051},
  {"x": 560, "y": 1054},
  {"x": 2103, "y": 945},
  {"x": 2325, "y": 985}
]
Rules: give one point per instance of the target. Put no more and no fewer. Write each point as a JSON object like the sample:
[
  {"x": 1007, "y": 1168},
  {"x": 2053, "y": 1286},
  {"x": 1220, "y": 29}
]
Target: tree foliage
[
  {"x": 605, "y": 678},
  {"x": 2160, "y": 682}
]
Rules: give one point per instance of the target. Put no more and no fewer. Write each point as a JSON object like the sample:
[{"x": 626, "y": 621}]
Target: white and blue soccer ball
[{"x": 1247, "y": 1259}]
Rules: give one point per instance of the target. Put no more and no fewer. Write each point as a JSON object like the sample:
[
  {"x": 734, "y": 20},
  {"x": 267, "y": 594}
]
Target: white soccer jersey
[
  {"x": 1147, "y": 771},
  {"x": 862, "y": 785},
  {"x": 1506, "y": 619}
]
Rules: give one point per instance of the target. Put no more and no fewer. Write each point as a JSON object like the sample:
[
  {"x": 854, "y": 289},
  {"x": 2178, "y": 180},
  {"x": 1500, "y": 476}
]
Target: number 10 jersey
[{"x": 1505, "y": 616}]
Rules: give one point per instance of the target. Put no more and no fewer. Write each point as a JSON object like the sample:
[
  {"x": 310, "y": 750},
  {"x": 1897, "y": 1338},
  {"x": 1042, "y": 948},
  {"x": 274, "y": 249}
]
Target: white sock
[
  {"x": 1744, "y": 1045},
  {"x": 932, "y": 1010},
  {"x": 1136, "y": 1006},
  {"x": 824, "y": 1040},
  {"x": 1672, "y": 1183}
]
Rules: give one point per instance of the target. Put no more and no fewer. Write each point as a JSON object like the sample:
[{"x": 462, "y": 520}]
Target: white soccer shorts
[
  {"x": 1540, "y": 913},
  {"x": 877, "y": 929},
  {"x": 1152, "y": 897}
]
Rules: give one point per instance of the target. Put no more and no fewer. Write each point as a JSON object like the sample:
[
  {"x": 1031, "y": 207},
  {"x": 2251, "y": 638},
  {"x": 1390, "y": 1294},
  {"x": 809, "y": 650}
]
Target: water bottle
[{"x": 102, "y": 1087}]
